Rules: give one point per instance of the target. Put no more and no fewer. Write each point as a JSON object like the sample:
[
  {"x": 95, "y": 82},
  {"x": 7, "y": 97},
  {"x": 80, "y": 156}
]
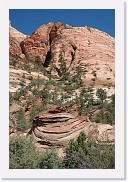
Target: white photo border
[{"x": 118, "y": 172}]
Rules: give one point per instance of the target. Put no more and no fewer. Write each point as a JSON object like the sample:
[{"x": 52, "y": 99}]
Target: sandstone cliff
[{"x": 89, "y": 48}]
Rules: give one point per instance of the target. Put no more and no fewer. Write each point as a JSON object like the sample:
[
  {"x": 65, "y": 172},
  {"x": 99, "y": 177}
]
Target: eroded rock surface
[
  {"x": 15, "y": 37},
  {"x": 89, "y": 48},
  {"x": 56, "y": 129},
  {"x": 39, "y": 43},
  {"x": 59, "y": 128}
]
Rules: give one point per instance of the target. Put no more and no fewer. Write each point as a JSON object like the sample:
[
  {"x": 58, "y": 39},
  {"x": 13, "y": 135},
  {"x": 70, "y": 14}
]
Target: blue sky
[{"x": 28, "y": 20}]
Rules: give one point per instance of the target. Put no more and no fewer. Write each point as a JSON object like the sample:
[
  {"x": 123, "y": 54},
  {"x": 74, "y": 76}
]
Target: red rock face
[
  {"x": 38, "y": 44},
  {"x": 89, "y": 48}
]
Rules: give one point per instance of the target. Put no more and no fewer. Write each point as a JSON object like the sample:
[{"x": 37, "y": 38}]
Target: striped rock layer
[{"x": 58, "y": 129}]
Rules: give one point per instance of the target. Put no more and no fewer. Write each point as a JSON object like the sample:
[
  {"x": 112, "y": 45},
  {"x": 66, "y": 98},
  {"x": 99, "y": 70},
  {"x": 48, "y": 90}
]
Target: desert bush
[
  {"x": 30, "y": 77},
  {"x": 101, "y": 94},
  {"x": 49, "y": 160},
  {"x": 27, "y": 57},
  {"x": 63, "y": 69},
  {"x": 85, "y": 101},
  {"x": 93, "y": 79},
  {"x": 22, "y": 124},
  {"x": 107, "y": 113},
  {"x": 35, "y": 110},
  {"x": 22, "y": 84},
  {"x": 82, "y": 154},
  {"x": 13, "y": 62},
  {"x": 22, "y": 154}
]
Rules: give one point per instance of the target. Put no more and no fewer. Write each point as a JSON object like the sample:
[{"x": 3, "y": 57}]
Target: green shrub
[
  {"x": 81, "y": 154},
  {"x": 22, "y": 124},
  {"x": 22, "y": 154},
  {"x": 49, "y": 160},
  {"x": 22, "y": 84},
  {"x": 35, "y": 110},
  {"x": 85, "y": 101},
  {"x": 101, "y": 94},
  {"x": 107, "y": 113}
]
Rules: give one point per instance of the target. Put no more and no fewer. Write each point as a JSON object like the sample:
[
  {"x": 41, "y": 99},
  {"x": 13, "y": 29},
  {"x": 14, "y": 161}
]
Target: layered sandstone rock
[
  {"x": 15, "y": 37},
  {"x": 59, "y": 128},
  {"x": 89, "y": 48},
  {"x": 56, "y": 129},
  {"x": 39, "y": 43},
  {"x": 16, "y": 34}
]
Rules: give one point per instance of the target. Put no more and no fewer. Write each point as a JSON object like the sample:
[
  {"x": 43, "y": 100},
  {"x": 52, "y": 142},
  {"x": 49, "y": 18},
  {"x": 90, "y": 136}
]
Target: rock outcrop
[
  {"x": 16, "y": 34},
  {"x": 14, "y": 48},
  {"x": 59, "y": 128},
  {"x": 56, "y": 129},
  {"x": 39, "y": 43},
  {"x": 89, "y": 48},
  {"x": 15, "y": 37}
]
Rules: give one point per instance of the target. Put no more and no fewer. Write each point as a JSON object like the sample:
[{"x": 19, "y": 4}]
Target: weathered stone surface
[
  {"x": 15, "y": 37},
  {"x": 89, "y": 48},
  {"x": 56, "y": 129},
  {"x": 14, "y": 48},
  {"x": 100, "y": 132},
  {"x": 16, "y": 34},
  {"x": 59, "y": 128},
  {"x": 38, "y": 44},
  {"x": 14, "y": 107}
]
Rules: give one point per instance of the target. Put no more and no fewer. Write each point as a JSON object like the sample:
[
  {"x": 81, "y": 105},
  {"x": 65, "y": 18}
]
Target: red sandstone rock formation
[
  {"x": 39, "y": 43},
  {"x": 89, "y": 48}
]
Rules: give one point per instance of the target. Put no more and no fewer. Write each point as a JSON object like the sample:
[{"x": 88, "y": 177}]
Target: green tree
[
  {"x": 49, "y": 160},
  {"x": 85, "y": 101},
  {"x": 63, "y": 71},
  {"x": 82, "y": 154},
  {"x": 101, "y": 94},
  {"x": 22, "y": 124},
  {"x": 22, "y": 154}
]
